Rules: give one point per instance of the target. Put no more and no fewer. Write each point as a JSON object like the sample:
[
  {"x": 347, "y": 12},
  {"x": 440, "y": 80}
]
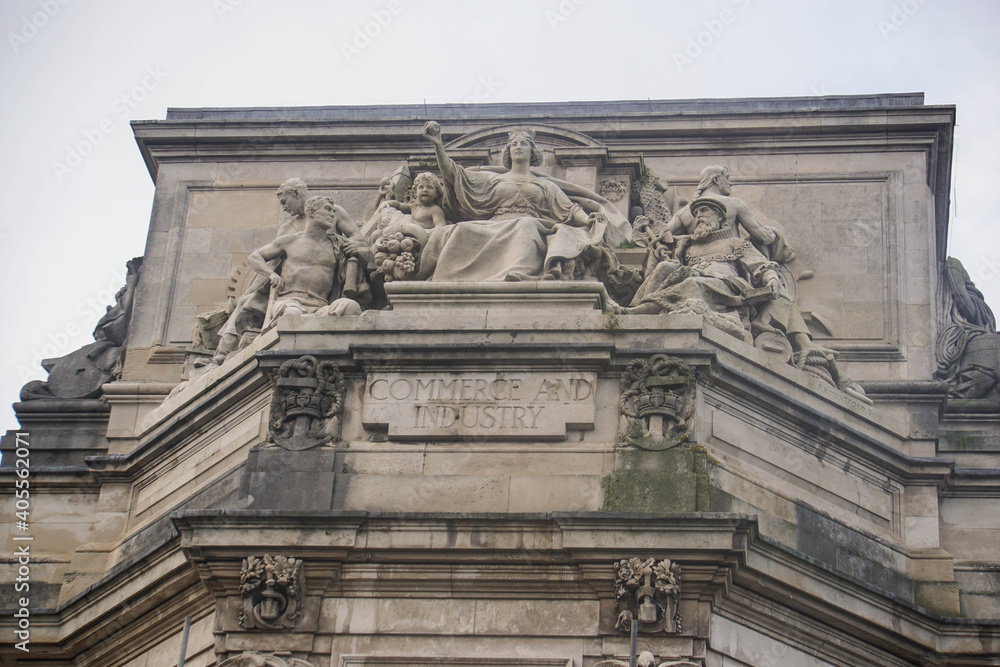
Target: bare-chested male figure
[
  {"x": 308, "y": 281},
  {"x": 250, "y": 308}
]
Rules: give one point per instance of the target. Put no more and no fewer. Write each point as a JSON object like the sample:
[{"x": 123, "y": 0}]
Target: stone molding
[
  {"x": 537, "y": 296},
  {"x": 722, "y": 555}
]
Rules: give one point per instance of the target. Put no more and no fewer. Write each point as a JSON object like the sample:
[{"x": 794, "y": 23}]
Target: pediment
[{"x": 546, "y": 135}]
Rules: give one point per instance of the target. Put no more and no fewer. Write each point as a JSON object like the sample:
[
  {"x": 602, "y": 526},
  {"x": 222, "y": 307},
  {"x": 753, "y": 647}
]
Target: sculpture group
[{"x": 514, "y": 223}]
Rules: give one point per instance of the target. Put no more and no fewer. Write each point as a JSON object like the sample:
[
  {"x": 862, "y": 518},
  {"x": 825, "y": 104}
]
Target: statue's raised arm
[
  {"x": 432, "y": 131},
  {"x": 510, "y": 222}
]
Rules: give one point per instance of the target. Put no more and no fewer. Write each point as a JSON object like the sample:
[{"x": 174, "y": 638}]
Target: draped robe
[{"x": 513, "y": 228}]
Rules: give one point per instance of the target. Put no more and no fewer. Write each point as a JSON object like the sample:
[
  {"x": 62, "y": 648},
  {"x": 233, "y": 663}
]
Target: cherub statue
[{"x": 425, "y": 208}]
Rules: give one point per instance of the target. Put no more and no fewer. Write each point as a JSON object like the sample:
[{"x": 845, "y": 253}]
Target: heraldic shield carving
[
  {"x": 657, "y": 402},
  {"x": 308, "y": 404}
]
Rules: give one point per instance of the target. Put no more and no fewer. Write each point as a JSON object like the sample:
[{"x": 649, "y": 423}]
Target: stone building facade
[{"x": 626, "y": 428}]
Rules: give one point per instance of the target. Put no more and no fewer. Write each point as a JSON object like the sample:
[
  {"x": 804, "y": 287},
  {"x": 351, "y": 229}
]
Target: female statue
[{"x": 515, "y": 224}]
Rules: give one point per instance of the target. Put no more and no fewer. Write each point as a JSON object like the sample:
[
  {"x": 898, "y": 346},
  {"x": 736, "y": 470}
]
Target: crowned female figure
[{"x": 514, "y": 224}]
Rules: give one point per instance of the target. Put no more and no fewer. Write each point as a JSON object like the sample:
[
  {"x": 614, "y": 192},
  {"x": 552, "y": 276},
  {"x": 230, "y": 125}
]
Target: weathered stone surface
[
  {"x": 753, "y": 648},
  {"x": 278, "y": 479},
  {"x": 60, "y": 433},
  {"x": 426, "y": 493},
  {"x": 810, "y": 527}
]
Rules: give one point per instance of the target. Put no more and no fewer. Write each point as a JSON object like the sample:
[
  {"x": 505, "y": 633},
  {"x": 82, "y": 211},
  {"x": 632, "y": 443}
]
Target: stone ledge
[
  {"x": 368, "y": 112},
  {"x": 544, "y": 296}
]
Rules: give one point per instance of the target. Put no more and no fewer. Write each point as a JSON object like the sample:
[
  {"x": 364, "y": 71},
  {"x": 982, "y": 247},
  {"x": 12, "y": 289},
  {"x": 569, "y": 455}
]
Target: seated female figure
[{"x": 516, "y": 225}]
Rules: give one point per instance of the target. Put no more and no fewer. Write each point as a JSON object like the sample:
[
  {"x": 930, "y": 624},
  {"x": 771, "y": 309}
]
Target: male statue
[
  {"x": 716, "y": 273},
  {"x": 712, "y": 264},
  {"x": 311, "y": 263},
  {"x": 250, "y": 308},
  {"x": 715, "y": 184}
]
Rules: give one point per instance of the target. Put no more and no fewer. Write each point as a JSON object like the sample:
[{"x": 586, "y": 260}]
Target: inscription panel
[{"x": 493, "y": 406}]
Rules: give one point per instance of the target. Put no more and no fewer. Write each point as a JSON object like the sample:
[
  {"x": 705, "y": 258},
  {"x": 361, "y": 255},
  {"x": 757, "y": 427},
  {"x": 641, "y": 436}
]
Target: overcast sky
[{"x": 74, "y": 72}]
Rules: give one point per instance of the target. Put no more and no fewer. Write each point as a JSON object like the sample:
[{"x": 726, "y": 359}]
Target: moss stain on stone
[{"x": 678, "y": 479}]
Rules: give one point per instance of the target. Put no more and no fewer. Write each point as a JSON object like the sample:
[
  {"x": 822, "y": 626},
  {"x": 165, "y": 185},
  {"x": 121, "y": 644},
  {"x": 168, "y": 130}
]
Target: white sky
[{"x": 65, "y": 66}]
